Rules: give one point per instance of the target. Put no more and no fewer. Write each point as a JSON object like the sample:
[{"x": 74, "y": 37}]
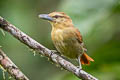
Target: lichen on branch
[{"x": 25, "y": 39}]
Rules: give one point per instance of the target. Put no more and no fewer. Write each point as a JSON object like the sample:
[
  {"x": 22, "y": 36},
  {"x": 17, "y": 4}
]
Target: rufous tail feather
[{"x": 85, "y": 59}]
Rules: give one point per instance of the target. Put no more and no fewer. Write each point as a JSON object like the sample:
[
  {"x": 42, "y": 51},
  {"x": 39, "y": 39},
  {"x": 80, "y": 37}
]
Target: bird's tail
[{"x": 85, "y": 59}]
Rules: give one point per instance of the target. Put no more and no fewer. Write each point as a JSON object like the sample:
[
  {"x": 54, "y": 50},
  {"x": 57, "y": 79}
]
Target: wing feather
[{"x": 80, "y": 39}]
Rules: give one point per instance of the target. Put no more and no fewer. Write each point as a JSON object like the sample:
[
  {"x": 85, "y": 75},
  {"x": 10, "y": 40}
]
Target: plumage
[
  {"x": 66, "y": 38},
  {"x": 67, "y": 44}
]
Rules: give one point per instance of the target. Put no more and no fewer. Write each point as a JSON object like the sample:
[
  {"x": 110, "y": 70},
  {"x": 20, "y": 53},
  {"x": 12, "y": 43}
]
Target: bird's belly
[{"x": 68, "y": 47}]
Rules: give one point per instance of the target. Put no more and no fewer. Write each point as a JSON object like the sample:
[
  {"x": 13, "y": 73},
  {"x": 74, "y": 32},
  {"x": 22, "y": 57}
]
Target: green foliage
[{"x": 97, "y": 20}]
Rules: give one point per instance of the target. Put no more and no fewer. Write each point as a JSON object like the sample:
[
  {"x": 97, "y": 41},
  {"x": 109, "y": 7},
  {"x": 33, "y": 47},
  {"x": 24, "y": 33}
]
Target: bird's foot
[
  {"x": 54, "y": 51},
  {"x": 79, "y": 67}
]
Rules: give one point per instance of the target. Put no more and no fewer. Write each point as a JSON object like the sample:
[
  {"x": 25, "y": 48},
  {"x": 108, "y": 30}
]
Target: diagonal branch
[
  {"x": 10, "y": 67},
  {"x": 5, "y": 25}
]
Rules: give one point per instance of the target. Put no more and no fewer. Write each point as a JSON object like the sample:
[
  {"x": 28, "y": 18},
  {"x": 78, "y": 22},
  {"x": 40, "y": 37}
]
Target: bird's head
[{"x": 57, "y": 19}]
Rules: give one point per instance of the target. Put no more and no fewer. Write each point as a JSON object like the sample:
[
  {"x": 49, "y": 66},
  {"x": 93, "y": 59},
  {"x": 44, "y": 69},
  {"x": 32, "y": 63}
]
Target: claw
[
  {"x": 80, "y": 68},
  {"x": 54, "y": 51}
]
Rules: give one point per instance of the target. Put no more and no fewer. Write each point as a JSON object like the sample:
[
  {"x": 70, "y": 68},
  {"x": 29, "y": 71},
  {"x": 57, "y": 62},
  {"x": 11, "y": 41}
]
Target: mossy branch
[
  {"x": 25, "y": 39},
  {"x": 10, "y": 67}
]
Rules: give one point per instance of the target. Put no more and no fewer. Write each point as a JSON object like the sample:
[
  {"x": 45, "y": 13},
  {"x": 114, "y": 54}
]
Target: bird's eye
[{"x": 56, "y": 16}]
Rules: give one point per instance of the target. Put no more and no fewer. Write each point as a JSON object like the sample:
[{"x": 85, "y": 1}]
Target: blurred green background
[{"x": 98, "y": 21}]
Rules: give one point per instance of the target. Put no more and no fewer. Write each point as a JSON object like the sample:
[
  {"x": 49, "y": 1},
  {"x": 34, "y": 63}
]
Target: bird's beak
[{"x": 45, "y": 17}]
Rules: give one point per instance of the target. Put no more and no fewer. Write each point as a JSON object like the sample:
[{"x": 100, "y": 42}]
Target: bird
[{"x": 66, "y": 38}]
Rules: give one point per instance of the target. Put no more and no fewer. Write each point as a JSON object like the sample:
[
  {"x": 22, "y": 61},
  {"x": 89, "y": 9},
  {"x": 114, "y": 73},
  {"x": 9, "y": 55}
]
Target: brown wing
[
  {"x": 80, "y": 40},
  {"x": 85, "y": 59},
  {"x": 79, "y": 36}
]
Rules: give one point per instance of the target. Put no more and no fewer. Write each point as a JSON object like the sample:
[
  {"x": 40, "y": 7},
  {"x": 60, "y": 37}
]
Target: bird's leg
[{"x": 80, "y": 66}]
